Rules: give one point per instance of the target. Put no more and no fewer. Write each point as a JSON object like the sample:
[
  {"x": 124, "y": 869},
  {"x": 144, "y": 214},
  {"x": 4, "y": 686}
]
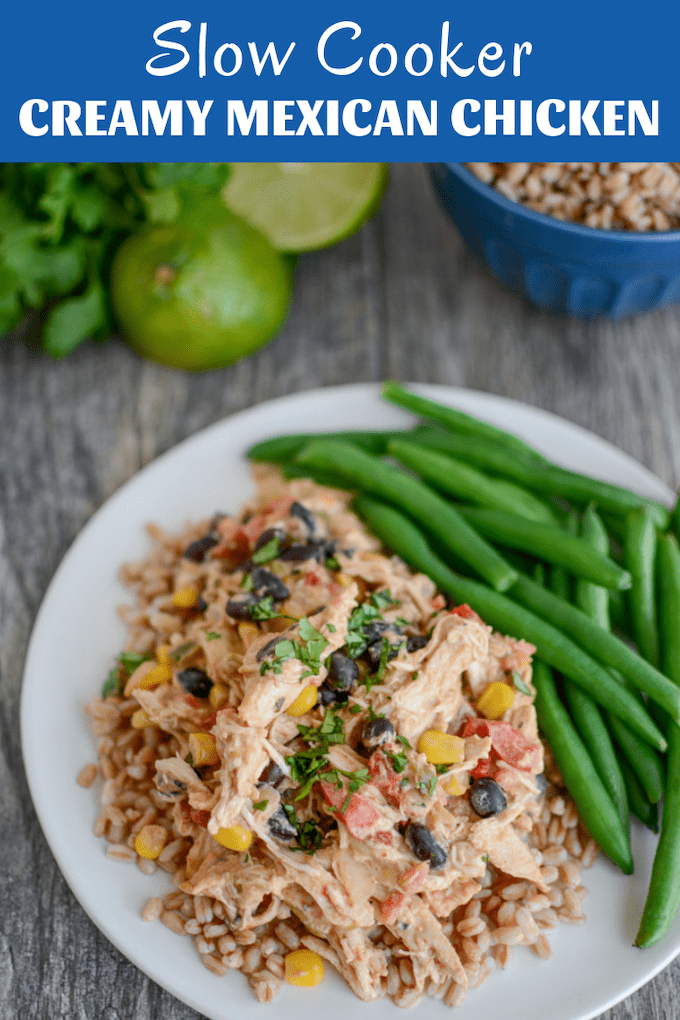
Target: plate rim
[{"x": 456, "y": 396}]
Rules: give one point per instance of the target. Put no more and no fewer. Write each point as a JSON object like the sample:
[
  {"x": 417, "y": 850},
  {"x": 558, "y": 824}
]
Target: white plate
[{"x": 77, "y": 634}]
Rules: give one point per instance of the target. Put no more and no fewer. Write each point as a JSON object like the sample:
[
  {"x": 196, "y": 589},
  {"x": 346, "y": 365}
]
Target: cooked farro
[
  {"x": 477, "y": 915},
  {"x": 609, "y": 196}
]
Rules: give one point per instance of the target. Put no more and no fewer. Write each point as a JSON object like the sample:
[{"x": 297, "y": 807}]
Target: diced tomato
[
  {"x": 507, "y": 743},
  {"x": 485, "y": 767},
  {"x": 438, "y": 602},
  {"x": 360, "y": 815},
  {"x": 384, "y": 836},
  {"x": 385, "y": 778},
  {"x": 199, "y": 817},
  {"x": 466, "y": 613},
  {"x": 519, "y": 658},
  {"x": 312, "y": 579},
  {"x": 192, "y": 702},
  {"x": 389, "y": 909}
]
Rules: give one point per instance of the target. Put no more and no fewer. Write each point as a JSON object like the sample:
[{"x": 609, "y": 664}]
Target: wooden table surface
[{"x": 403, "y": 299}]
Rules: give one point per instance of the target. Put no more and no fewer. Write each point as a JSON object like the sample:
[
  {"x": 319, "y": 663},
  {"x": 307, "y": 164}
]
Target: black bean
[
  {"x": 305, "y": 515},
  {"x": 271, "y": 774},
  {"x": 415, "y": 642},
  {"x": 375, "y": 650},
  {"x": 268, "y": 534},
  {"x": 265, "y": 583},
  {"x": 301, "y": 551},
  {"x": 343, "y": 672},
  {"x": 487, "y": 798},
  {"x": 195, "y": 681},
  {"x": 239, "y": 609},
  {"x": 198, "y": 550},
  {"x": 374, "y": 630},
  {"x": 328, "y": 696},
  {"x": 424, "y": 846},
  {"x": 375, "y": 733},
  {"x": 267, "y": 650},
  {"x": 281, "y": 826},
  {"x": 541, "y": 783},
  {"x": 201, "y": 605}
]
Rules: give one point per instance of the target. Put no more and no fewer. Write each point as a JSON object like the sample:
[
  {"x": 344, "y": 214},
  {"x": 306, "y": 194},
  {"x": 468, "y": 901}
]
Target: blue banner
[{"x": 205, "y": 81}]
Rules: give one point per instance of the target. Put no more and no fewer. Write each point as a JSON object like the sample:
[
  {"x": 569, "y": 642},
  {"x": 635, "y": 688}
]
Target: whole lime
[{"x": 201, "y": 292}]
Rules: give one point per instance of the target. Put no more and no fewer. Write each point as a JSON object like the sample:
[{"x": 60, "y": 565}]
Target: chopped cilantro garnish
[
  {"x": 128, "y": 662},
  {"x": 355, "y": 709},
  {"x": 399, "y": 760},
  {"x": 331, "y": 628},
  {"x": 357, "y": 641},
  {"x": 182, "y": 650},
  {"x": 415, "y": 675},
  {"x": 310, "y": 835},
  {"x": 260, "y": 805},
  {"x": 264, "y": 609},
  {"x": 405, "y": 742},
  {"x": 519, "y": 684},
  {"x": 402, "y": 622},
  {"x": 403, "y": 783},
  {"x": 212, "y": 635},
  {"x": 441, "y": 769},
  {"x": 247, "y": 582},
  {"x": 382, "y": 599},
  {"x": 332, "y": 563},
  {"x": 269, "y": 551},
  {"x": 307, "y": 651},
  {"x": 432, "y": 786}
]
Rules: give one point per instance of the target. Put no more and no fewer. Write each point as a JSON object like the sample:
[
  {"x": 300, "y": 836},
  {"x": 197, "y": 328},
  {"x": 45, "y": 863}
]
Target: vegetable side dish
[{"x": 330, "y": 762}]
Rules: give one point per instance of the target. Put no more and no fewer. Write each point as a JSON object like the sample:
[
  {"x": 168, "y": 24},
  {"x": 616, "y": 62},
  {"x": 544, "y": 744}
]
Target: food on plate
[
  {"x": 611, "y": 196},
  {"x": 201, "y": 292},
  {"x": 333, "y": 764},
  {"x": 623, "y": 709}
]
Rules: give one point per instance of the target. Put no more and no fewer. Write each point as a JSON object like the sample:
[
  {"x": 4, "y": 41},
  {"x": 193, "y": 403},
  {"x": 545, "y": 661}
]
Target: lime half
[{"x": 302, "y": 206}]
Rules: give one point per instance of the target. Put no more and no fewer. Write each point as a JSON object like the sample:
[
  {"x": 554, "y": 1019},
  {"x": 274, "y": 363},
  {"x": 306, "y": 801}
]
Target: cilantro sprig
[
  {"x": 128, "y": 662},
  {"x": 306, "y": 650}
]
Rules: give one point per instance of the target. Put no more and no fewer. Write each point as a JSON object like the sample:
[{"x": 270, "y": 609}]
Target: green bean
[
  {"x": 640, "y": 549},
  {"x": 403, "y": 537},
  {"x": 292, "y": 471},
  {"x": 548, "y": 480},
  {"x": 643, "y": 760},
  {"x": 637, "y": 801},
  {"x": 663, "y": 897},
  {"x": 391, "y": 483},
  {"x": 466, "y": 484},
  {"x": 603, "y": 646},
  {"x": 675, "y": 518},
  {"x": 458, "y": 421},
  {"x": 586, "y": 715},
  {"x": 549, "y": 543},
  {"x": 598, "y": 813},
  {"x": 280, "y": 449},
  {"x": 591, "y": 727}
]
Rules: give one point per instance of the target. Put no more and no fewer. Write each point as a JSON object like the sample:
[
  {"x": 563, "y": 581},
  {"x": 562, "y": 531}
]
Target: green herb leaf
[
  {"x": 269, "y": 551},
  {"x": 212, "y": 635},
  {"x": 130, "y": 661},
  {"x": 260, "y": 805},
  {"x": 382, "y": 599},
  {"x": 264, "y": 609},
  {"x": 112, "y": 684},
  {"x": 519, "y": 684}
]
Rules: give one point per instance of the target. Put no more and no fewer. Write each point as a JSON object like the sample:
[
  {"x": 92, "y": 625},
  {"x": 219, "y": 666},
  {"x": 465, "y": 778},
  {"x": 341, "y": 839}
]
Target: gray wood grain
[{"x": 403, "y": 299}]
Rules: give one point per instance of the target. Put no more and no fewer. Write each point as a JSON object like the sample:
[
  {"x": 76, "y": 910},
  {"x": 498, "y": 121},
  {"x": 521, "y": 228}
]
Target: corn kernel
[
  {"x": 496, "y": 700},
  {"x": 185, "y": 598},
  {"x": 344, "y": 580},
  {"x": 441, "y": 748},
  {"x": 218, "y": 695},
  {"x": 160, "y": 674},
  {"x": 234, "y": 838},
  {"x": 163, "y": 654},
  {"x": 247, "y": 632},
  {"x": 304, "y": 968},
  {"x": 304, "y": 702},
  {"x": 140, "y": 719},
  {"x": 203, "y": 750},
  {"x": 150, "y": 840},
  {"x": 453, "y": 787}
]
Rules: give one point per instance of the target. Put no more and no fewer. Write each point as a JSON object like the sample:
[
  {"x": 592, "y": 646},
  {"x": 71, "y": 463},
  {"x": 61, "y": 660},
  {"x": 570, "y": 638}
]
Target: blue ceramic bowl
[{"x": 564, "y": 267}]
